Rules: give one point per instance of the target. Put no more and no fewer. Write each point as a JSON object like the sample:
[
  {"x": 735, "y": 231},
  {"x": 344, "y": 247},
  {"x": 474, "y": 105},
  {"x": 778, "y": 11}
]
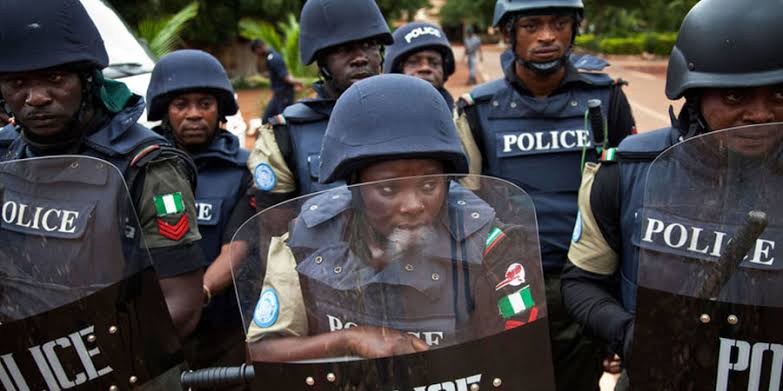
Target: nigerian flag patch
[
  {"x": 516, "y": 303},
  {"x": 169, "y": 204}
]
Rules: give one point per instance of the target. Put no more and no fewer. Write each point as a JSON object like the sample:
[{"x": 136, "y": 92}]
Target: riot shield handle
[
  {"x": 224, "y": 377},
  {"x": 741, "y": 243}
]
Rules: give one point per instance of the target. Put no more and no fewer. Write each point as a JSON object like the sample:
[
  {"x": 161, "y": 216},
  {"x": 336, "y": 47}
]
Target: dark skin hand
[
  {"x": 362, "y": 341},
  {"x": 218, "y": 276},
  {"x": 541, "y": 39},
  {"x": 351, "y": 62},
  {"x": 426, "y": 65},
  {"x": 183, "y": 295}
]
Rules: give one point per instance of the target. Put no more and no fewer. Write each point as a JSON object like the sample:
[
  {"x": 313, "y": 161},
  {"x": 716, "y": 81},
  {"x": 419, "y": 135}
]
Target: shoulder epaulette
[{"x": 145, "y": 155}]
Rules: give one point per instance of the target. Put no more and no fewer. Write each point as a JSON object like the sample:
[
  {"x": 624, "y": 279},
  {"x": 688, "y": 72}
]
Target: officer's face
[
  {"x": 405, "y": 205},
  {"x": 353, "y": 61},
  {"x": 43, "y": 102},
  {"x": 193, "y": 118},
  {"x": 426, "y": 65},
  {"x": 729, "y": 107},
  {"x": 543, "y": 38}
]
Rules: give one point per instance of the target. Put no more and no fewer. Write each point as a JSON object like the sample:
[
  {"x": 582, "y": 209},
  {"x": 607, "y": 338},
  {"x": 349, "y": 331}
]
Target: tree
[
  {"x": 163, "y": 35},
  {"x": 287, "y": 43}
]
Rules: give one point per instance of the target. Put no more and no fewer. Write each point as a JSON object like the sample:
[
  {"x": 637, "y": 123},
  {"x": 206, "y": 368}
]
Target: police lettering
[
  {"x": 204, "y": 211},
  {"x": 463, "y": 384},
  {"x": 546, "y": 141},
  {"x": 431, "y": 338},
  {"x": 698, "y": 240},
  {"x": 740, "y": 356},
  {"x": 39, "y": 218},
  {"x": 419, "y": 31},
  {"x": 50, "y": 368}
]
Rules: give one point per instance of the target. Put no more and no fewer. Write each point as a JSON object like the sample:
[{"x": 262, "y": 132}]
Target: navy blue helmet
[
  {"x": 329, "y": 23},
  {"x": 48, "y": 33},
  {"x": 504, "y": 8},
  {"x": 414, "y": 37},
  {"x": 188, "y": 70},
  {"x": 389, "y": 117}
]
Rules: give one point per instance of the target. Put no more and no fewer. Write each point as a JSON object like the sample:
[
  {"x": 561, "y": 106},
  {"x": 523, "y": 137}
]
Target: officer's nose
[
  {"x": 193, "y": 113},
  {"x": 411, "y": 203},
  {"x": 760, "y": 111},
  {"x": 37, "y": 96},
  {"x": 546, "y": 34},
  {"x": 360, "y": 59}
]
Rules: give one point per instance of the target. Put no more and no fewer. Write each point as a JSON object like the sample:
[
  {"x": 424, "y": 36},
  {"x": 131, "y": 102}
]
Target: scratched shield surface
[
  {"x": 709, "y": 279},
  {"x": 453, "y": 270},
  {"x": 80, "y": 303}
]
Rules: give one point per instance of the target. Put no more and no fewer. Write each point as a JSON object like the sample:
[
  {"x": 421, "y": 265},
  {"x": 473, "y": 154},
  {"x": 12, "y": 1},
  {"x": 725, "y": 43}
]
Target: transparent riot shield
[
  {"x": 710, "y": 288},
  {"x": 407, "y": 284},
  {"x": 80, "y": 304}
]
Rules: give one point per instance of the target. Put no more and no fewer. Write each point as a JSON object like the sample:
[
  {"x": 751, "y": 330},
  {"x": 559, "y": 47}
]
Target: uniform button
[
  {"x": 475, "y": 215},
  {"x": 435, "y": 276},
  {"x": 338, "y": 270},
  {"x": 461, "y": 202},
  {"x": 409, "y": 268},
  {"x": 513, "y": 105},
  {"x": 313, "y": 207},
  {"x": 319, "y": 259},
  {"x": 336, "y": 197},
  {"x": 574, "y": 103},
  {"x": 99, "y": 165},
  {"x": 75, "y": 165},
  {"x": 495, "y": 103}
]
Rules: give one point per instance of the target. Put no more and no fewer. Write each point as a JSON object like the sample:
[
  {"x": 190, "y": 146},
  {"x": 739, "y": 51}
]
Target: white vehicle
[{"x": 131, "y": 62}]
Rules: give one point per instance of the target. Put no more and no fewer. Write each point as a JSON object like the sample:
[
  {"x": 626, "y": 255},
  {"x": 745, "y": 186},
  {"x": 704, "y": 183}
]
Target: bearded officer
[
  {"x": 530, "y": 129},
  {"x": 724, "y": 85},
  {"x": 411, "y": 134},
  {"x": 422, "y": 50},
  {"x": 52, "y": 85},
  {"x": 345, "y": 38},
  {"x": 190, "y": 93}
]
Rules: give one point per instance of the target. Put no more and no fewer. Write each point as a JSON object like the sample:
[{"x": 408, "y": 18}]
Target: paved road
[{"x": 645, "y": 91}]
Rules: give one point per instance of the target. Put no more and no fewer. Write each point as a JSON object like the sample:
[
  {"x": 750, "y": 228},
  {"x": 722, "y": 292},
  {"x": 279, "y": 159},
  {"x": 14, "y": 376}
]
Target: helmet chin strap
[{"x": 543, "y": 68}]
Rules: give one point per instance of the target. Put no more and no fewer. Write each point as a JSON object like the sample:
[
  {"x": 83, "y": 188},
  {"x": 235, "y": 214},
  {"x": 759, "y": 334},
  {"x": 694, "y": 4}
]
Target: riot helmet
[
  {"x": 329, "y": 23},
  {"x": 188, "y": 70},
  {"x": 389, "y": 117},
  {"x": 507, "y": 12},
  {"x": 414, "y": 37},
  {"x": 723, "y": 44}
]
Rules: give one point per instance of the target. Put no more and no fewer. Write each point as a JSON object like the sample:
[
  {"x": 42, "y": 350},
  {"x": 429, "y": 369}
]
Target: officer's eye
[
  {"x": 206, "y": 103},
  {"x": 13, "y": 83},
  {"x": 55, "y": 77},
  {"x": 529, "y": 27},
  {"x": 429, "y": 186},
  {"x": 179, "y": 104},
  {"x": 562, "y": 23},
  {"x": 387, "y": 190},
  {"x": 733, "y": 97},
  {"x": 779, "y": 94}
]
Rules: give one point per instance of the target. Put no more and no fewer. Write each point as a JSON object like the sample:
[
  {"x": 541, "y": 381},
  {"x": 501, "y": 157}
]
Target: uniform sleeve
[
  {"x": 277, "y": 66},
  {"x": 167, "y": 214},
  {"x": 243, "y": 210},
  {"x": 620, "y": 122},
  {"x": 590, "y": 249},
  {"x": 287, "y": 316},
  {"x": 266, "y": 155},
  {"x": 514, "y": 292},
  {"x": 471, "y": 150}
]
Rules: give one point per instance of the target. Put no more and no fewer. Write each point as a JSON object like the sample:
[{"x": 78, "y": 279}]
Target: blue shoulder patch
[
  {"x": 577, "y": 234},
  {"x": 265, "y": 177},
  {"x": 267, "y": 308},
  {"x": 586, "y": 62}
]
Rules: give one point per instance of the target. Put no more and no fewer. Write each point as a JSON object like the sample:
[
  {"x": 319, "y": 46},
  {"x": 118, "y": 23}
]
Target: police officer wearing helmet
[
  {"x": 530, "y": 128},
  {"x": 190, "y": 93},
  {"x": 727, "y": 80},
  {"x": 411, "y": 134},
  {"x": 345, "y": 38},
  {"x": 422, "y": 50},
  {"x": 51, "y": 84}
]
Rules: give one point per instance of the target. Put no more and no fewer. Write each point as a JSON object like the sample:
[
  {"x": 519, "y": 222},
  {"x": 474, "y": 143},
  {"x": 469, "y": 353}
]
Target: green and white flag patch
[
  {"x": 169, "y": 204},
  {"x": 516, "y": 303}
]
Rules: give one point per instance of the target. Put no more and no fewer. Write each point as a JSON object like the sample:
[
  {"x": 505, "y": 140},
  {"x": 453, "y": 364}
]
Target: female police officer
[{"x": 374, "y": 256}]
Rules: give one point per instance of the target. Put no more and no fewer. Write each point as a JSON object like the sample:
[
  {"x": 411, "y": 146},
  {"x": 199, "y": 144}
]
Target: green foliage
[
  {"x": 655, "y": 43},
  {"x": 587, "y": 41},
  {"x": 284, "y": 39},
  {"x": 457, "y": 13},
  {"x": 633, "y": 45},
  {"x": 660, "y": 43},
  {"x": 396, "y": 9},
  {"x": 165, "y": 34}
]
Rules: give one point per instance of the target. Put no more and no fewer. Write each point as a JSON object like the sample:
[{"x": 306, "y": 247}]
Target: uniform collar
[{"x": 572, "y": 76}]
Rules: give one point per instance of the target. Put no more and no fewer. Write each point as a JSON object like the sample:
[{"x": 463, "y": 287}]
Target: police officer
[
  {"x": 190, "y": 93},
  {"x": 724, "y": 85},
  {"x": 411, "y": 134},
  {"x": 422, "y": 50},
  {"x": 345, "y": 39},
  {"x": 282, "y": 84},
  {"x": 529, "y": 127},
  {"x": 51, "y": 84}
]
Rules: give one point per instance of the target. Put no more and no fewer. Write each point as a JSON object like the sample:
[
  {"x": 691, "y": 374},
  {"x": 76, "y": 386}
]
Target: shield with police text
[
  {"x": 409, "y": 284},
  {"x": 710, "y": 290},
  {"x": 80, "y": 303}
]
